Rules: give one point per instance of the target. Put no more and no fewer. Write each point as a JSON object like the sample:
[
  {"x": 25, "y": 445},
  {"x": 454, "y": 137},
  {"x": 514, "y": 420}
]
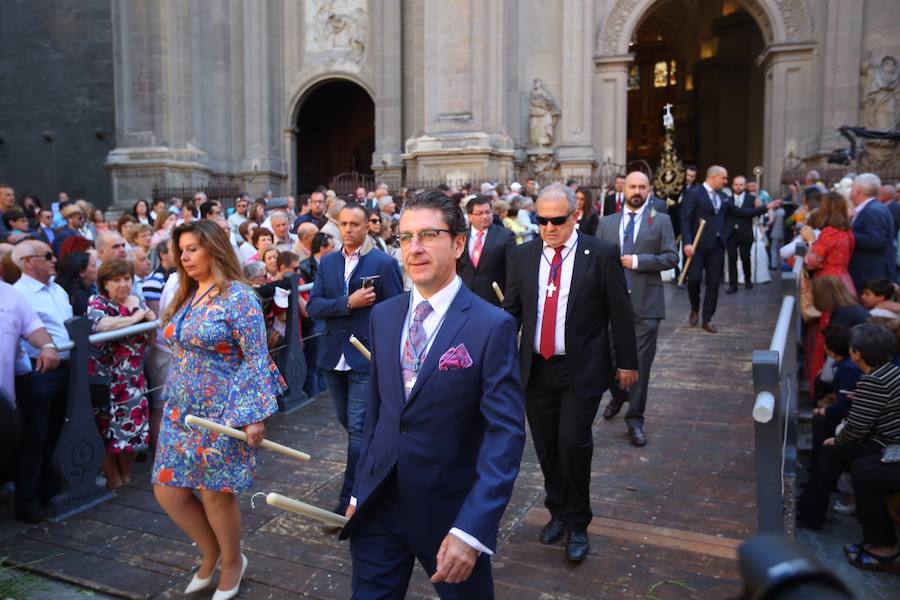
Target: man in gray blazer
[{"x": 646, "y": 241}]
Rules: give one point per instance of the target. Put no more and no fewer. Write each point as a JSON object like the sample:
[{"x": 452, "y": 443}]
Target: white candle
[
  {"x": 307, "y": 510},
  {"x": 238, "y": 434}
]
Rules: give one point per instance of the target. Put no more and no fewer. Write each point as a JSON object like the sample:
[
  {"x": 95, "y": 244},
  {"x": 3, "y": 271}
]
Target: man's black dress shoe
[
  {"x": 731, "y": 290},
  {"x": 578, "y": 546},
  {"x": 636, "y": 433},
  {"x": 612, "y": 409},
  {"x": 694, "y": 318},
  {"x": 553, "y": 531},
  {"x": 31, "y": 515},
  {"x": 710, "y": 328},
  {"x": 749, "y": 286}
]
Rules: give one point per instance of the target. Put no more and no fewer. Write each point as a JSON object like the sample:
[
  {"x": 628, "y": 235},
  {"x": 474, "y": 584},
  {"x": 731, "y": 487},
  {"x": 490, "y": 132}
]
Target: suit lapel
[
  {"x": 453, "y": 322},
  {"x": 645, "y": 226},
  {"x": 582, "y": 255}
]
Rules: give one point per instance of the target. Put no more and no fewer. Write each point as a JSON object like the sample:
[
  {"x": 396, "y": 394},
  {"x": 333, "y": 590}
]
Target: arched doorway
[
  {"x": 335, "y": 133},
  {"x": 710, "y": 77}
]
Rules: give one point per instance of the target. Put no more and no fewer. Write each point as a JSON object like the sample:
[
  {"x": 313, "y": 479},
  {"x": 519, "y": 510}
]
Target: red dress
[{"x": 829, "y": 255}]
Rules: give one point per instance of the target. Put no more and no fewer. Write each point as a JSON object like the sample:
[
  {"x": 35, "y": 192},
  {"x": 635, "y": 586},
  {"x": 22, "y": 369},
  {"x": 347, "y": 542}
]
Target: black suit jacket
[
  {"x": 741, "y": 226},
  {"x": 598, "y": 302},
  {"x": 697, "y": 205},
  {"x": 609, "y": 204},
  {"x": 496, "y": 255}
]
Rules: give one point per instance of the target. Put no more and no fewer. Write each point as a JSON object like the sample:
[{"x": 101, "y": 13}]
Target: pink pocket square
[{"x": 455, "y": 358}]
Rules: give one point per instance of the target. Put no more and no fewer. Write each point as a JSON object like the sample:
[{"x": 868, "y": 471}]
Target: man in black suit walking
[
  {"x": 566, "y": 290},
  {"x": 614, "y": 200},
  {"x": 487, "y": 251},
  {"x": 707, "y": 202},
  {"x": 740, "y": 235}
]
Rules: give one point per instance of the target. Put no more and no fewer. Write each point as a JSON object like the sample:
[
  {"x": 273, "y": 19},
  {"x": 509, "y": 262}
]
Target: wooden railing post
[
  {"x": 79, "y": 451},
  {"x": 291, "y": 362}
]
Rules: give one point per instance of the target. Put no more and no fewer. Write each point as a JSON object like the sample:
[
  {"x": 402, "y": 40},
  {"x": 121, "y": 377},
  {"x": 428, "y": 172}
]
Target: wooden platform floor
[{"x": 668, "y": 517}]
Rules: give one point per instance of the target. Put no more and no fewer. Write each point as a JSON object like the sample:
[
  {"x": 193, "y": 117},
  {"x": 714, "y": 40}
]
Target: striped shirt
[{"x": 875, "y": 409}]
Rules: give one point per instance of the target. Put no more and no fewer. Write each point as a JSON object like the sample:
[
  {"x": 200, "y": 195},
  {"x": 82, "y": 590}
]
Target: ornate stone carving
[
  {"x": 612, "y": 38},
  {"x": 878, "y": 93},
  {"x": 541, "y": 163},
  {"x": 338, "y": 28},
  {"x": 542, "y": 116}
]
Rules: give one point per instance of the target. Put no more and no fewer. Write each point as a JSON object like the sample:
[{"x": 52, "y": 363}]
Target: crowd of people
[{"x": 459, "y": 269}]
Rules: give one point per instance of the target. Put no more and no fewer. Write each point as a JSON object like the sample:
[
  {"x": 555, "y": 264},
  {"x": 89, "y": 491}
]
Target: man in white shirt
[
  {"x": 44, "y": 412},
  {"x": 238, "y": 216}
]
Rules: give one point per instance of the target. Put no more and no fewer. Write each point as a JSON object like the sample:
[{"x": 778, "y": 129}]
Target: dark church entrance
[
  {"x": 700, "y": 57},
  {"x": 336, "y": 133}
]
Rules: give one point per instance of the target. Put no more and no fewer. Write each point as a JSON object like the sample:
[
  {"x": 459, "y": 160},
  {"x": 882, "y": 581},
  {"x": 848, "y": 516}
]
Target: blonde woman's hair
[{"x": 223, "y": 262}]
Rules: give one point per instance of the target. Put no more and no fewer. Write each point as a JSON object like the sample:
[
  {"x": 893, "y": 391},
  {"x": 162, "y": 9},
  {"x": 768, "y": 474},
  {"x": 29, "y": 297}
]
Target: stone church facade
[{"x": 212, "y": 91}]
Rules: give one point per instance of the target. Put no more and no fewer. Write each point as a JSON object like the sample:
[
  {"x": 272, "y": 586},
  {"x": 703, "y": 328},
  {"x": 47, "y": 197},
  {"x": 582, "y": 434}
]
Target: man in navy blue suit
[
  {"x": 445, "y": 423},
  {"x": 347, "y": 285},
  {"x": 874, "y": 230},
  {"x": 707, "y": 202}
]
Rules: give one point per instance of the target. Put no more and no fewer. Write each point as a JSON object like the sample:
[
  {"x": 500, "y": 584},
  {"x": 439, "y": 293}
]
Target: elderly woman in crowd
[
  {"x": 98, "y": 219},
  {"x": 141, "y": 236},
  {"x": 261, "y": 238},
  {"x": 502, "y": 210},
  {"x": 121, "y": 408},
  {"x": 872, "y": 423},
  {"x": 77, "y": 274},
  {"x": 220, "y": 370},
  {"x": 269, "y": 257},
  {"x": 124, "y": 225},
  {"x": 245, "y": 244}
]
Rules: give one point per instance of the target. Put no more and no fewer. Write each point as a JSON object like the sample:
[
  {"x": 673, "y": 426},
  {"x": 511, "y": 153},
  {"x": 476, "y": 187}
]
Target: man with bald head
[
  {"x": 646, "y": 242},
  {"x": 111, "y": 245},
  {"x": 305, "y": 234},
  {"x": 708, "y": 203}
]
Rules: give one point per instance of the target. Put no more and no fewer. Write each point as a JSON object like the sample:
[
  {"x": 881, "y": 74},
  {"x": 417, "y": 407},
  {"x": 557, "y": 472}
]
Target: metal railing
[
  {"x": 80, "y": 449},
  {"x": 775, "y": 385}
]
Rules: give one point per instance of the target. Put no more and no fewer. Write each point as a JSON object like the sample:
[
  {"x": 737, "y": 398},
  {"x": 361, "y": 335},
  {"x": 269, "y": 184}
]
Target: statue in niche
[
  {"x": 542, "y": 117},
  {"x": 541, "y": 165},
  {"x": 340, "y": 25},
  {"x": 878, "y": 99}
]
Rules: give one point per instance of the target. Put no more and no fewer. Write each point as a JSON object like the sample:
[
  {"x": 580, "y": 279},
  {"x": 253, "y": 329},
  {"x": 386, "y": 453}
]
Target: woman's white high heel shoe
[
  {"x": 197, "y": 583},
  {"x": 228, "y": 594}
]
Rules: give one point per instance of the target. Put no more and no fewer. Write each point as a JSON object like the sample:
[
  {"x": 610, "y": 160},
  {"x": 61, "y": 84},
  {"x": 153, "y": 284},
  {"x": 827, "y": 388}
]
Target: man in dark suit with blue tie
[
  {"x": 348, "y": 283},
  {"x": 445, "y": 423},
  {"x": 707, "y": 202},
  {"x": 647, "y": 243},
  {"x": 874, "y": 229}
]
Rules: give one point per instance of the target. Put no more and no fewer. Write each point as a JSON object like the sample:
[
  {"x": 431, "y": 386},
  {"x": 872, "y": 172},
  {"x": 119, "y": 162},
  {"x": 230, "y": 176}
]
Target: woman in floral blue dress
[{"x": 221, "y": 371}]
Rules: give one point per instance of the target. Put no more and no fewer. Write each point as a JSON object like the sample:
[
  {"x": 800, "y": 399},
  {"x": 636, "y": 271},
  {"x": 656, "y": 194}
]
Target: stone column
[
  {"x": 788, "y": 123},
  {"x": 154, "y": 86},
  {"x": 464, "y": 94},
  {"x": 386, "y": 33},
  {"x": 262, "y": 167},
  {"x": 842, "y": 50},
  {"x": 575, "y": 151},
  {"x": 611, "y": 103}
]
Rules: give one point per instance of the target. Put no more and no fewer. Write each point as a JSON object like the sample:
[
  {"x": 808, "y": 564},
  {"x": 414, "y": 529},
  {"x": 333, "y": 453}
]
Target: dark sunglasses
[
  {"x": 374, "y": 220},
  {"x": 555, "y": 220},
  {"x": 46, "y": 256}
]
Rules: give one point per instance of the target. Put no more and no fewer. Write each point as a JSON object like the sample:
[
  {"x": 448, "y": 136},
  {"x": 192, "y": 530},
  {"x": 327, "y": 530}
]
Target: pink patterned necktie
[
  {"x": 414, "y": 348},
  {"x": 479, "y": 246}
]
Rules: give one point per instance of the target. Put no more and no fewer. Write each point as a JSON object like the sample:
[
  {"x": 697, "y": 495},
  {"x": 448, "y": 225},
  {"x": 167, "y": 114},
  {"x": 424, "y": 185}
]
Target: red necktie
[
  {"x": 618, "y": 203},
  {"x": 548, "y": 321},
  {"x": 476, "y": 251}
]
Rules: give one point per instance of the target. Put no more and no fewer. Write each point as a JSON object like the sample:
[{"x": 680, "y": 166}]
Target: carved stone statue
[
  {"x": 340, "y": 25},
  {"x": 878, "y": 99},
  {"x": 541, "y": 164},
  {"x": 542, "y": 117}
]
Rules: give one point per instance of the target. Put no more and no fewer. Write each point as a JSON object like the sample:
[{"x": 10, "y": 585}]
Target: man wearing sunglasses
[{"x": 568, "y": 292}]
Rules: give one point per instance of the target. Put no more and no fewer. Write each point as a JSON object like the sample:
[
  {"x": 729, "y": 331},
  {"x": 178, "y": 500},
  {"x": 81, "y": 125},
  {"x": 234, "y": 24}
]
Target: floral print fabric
[
  {"x": 125, "y": 423},
  {"x": 221, "y": 371}
]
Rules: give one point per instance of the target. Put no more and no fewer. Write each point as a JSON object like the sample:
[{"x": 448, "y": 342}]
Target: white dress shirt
[
  {"x": 713, "y": 196},
  {"x": 350, "y": 264},
  {"x": 739, "y": 200},
  {"x": 51, "y": 303},
  {"x": 17, "y": 321},
  {"x": 565, "y": 282},
  {"x": 638, "y": 215},
  {"x": 440, "y": 304}
]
